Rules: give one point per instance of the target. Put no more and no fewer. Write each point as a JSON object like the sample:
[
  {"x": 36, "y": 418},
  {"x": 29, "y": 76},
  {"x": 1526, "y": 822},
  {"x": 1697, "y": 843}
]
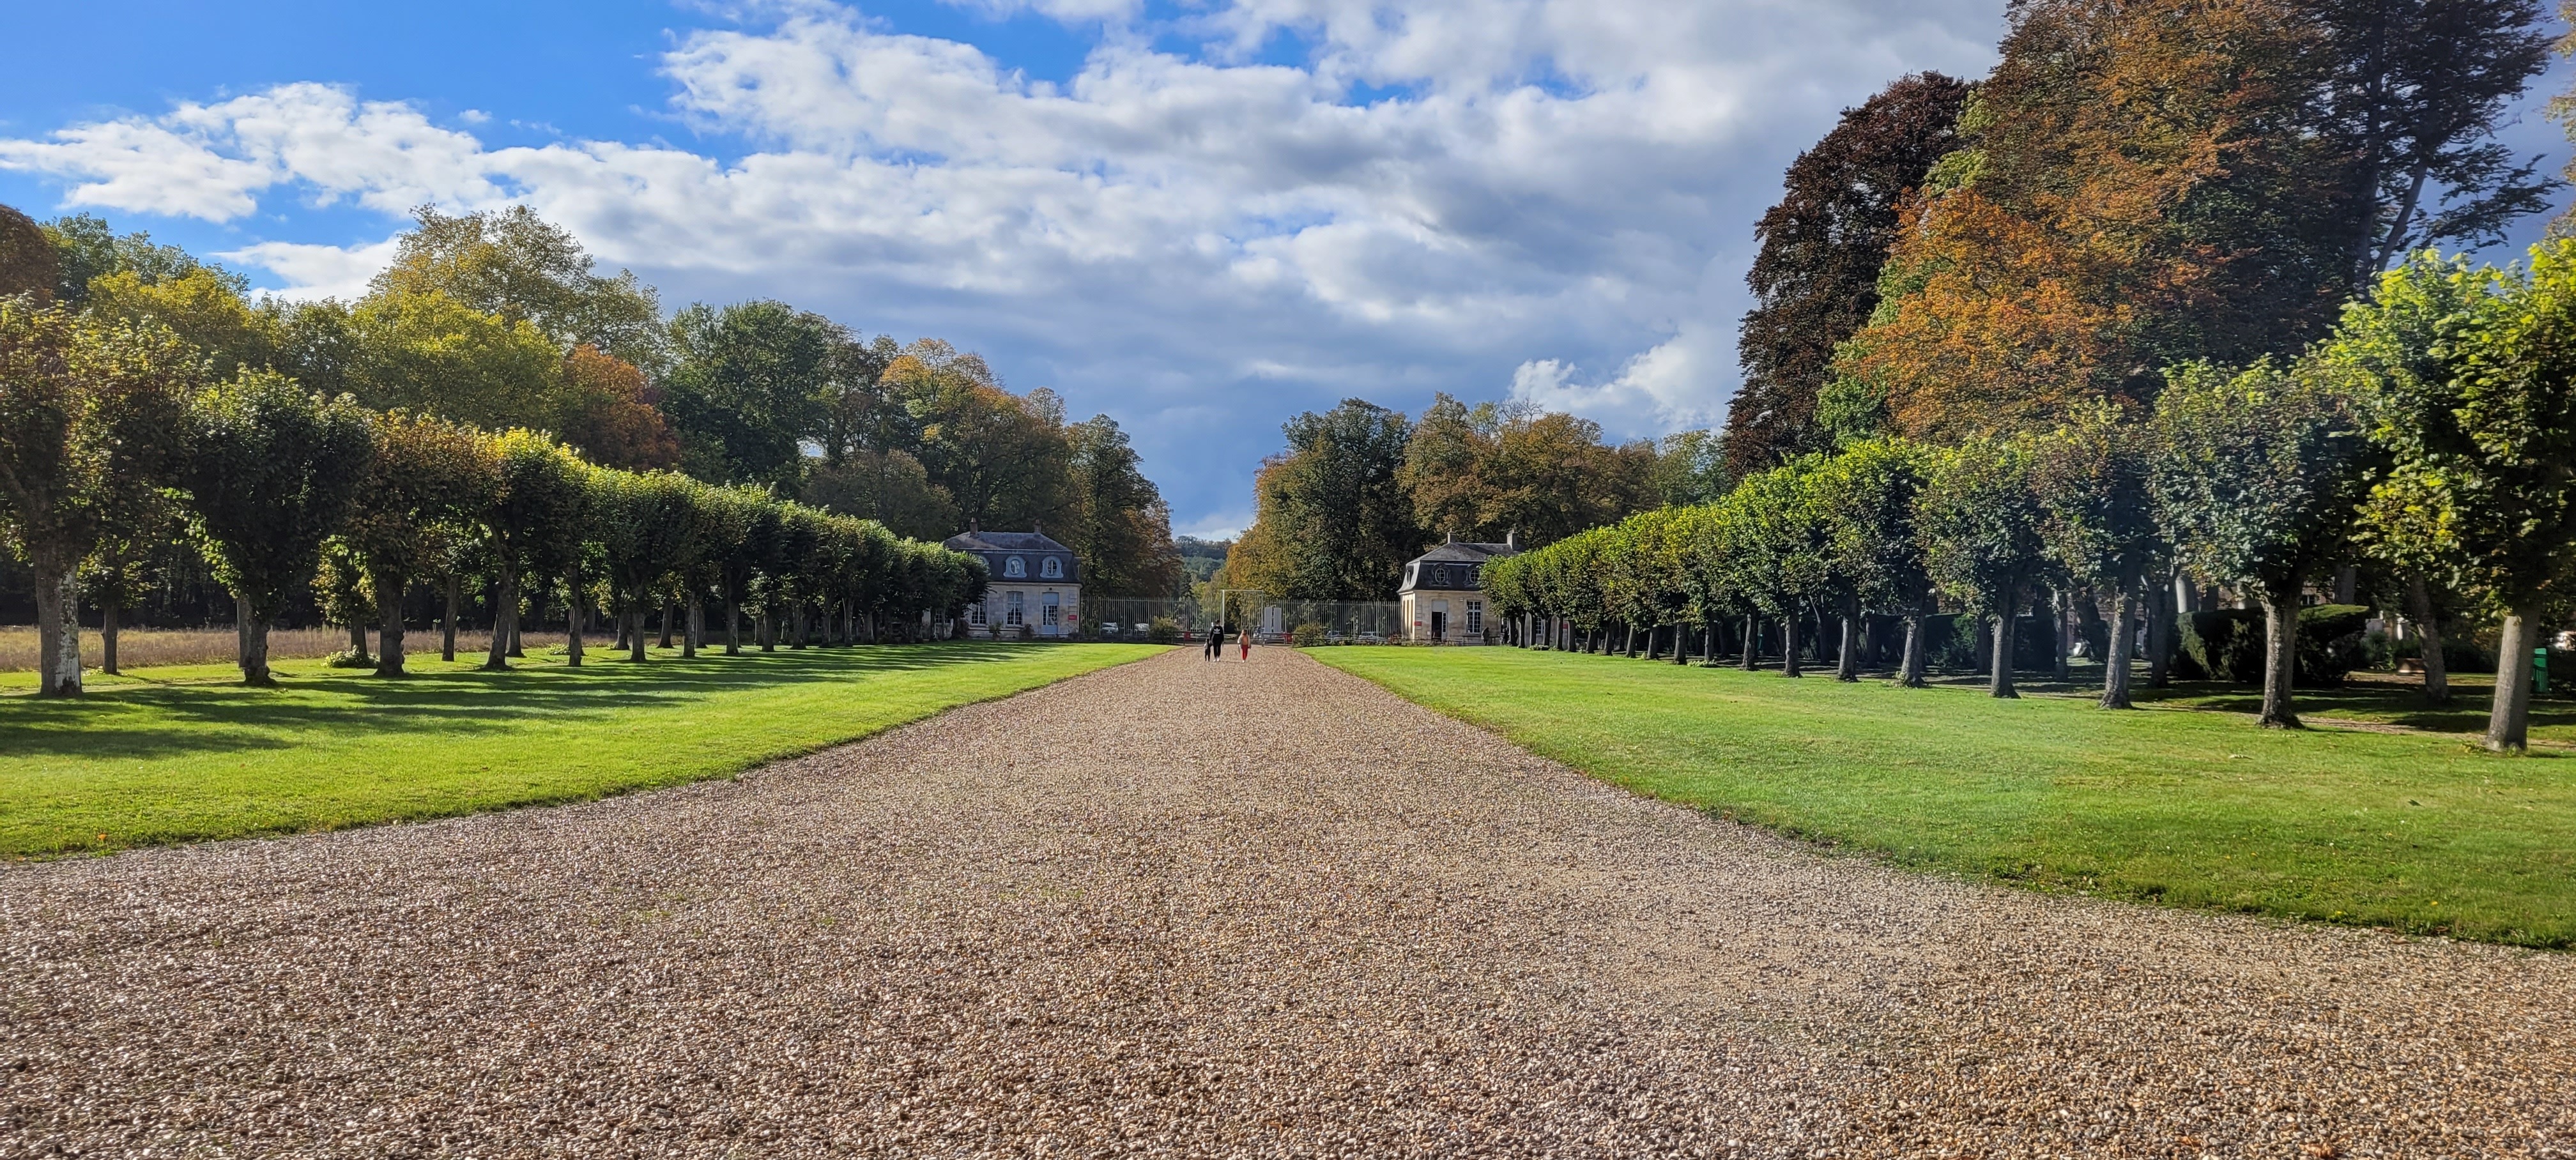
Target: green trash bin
[{"x": 2540, "y": 670}]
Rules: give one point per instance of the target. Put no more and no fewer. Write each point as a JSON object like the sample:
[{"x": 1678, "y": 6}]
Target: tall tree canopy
[
  {"x": 1484, "y": 472},
  {"x": 1332, "y": 521},
  {"x": 746, "y": 388},
  {"x": 1119, "y": 528},
  {"x": 524, "y": 268},
  {"x": 1815, "y": 279}
]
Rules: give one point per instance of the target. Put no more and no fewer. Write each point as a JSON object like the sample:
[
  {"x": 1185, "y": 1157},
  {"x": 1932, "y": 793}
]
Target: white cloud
[
  {"x": 313, "y": 271},
  {"x": 1469, "y": 195}
]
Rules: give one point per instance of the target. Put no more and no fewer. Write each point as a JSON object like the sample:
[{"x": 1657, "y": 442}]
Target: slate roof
[
  {"x": 1455, "y": 552},
  {"x": 995, "y": 545}
]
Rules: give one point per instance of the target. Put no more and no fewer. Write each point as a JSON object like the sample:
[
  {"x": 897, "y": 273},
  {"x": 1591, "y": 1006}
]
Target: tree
[
  {"x": 860, "y": 411},
  {"x": 2139, "y": 182},
  {"x": 1332, "y": 521},
  {"x": 521, "y": 268},
  {"x": 89, "y": 426},
  {"x": 2414, "y": 93},
  {"x": 1004, "y": 459},
  {"x": 1690, "y": 469},
  {"x": 609, "y": 413},
  {"x": 85, "y": 249},
  {"x": 28, "y": 264},
  {"x": 1781, "y": 559},
  {"x": 532, "y": 523},
  {"x": 890, "y": 487},
  {"x": 2254, "y": 487},
  {"x": 745, "y": 388},
  {"x": 648, "y": 531},
  {"x": 1119, "y": 529},
  {"x": 1815, "y": 278},
  {"x": 1490, "y": 471},
  {"x": 742, "y": 542},
  {"x": 2473, "y": 379},
  {"x": 1979, "y": 525},
  {"x": 136, "y": 544},
  {"x": 2098, "y": 520},
  {"x": 204, "y": 308},
  {"x": 431, "y": 354},
  {"x": 1867, "y": 496},
  {"x": 270, "y": 473},
  {"x": 429, "y": 480}
]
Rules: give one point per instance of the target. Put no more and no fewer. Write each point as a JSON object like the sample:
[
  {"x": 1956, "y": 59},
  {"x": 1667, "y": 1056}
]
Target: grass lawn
[
  {"x": 2200, "y": 809},
  {"x": 183, "y": 754}
]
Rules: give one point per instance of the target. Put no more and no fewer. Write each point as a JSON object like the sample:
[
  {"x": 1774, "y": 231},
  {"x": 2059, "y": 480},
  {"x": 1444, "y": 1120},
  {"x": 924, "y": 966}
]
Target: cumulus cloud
[{"x": 1479, "y": 196}]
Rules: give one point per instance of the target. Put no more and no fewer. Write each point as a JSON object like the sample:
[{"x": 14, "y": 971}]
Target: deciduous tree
[{"x": 270, "y": 472}]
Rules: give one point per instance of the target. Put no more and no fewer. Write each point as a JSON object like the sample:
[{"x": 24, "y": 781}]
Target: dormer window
[
  {"x": 1052, "y": 568},
  {"x": 1015, "y": 568}
]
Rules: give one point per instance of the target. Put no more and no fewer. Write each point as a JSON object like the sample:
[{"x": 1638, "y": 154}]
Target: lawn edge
[
  {"x": 729, "y": 773},
  {"x": 1832, "y": 847}
]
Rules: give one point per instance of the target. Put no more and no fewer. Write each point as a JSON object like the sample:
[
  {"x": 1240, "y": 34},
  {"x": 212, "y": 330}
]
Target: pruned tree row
[
  {"x": 2427, "y": 442},
  {"x": 116, "y": 437}
]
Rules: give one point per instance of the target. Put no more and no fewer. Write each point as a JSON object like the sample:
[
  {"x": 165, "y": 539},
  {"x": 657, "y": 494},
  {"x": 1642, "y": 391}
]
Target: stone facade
[
  {"x": 1036, "y": 590},
  {"x": 1443, "y": 594}
]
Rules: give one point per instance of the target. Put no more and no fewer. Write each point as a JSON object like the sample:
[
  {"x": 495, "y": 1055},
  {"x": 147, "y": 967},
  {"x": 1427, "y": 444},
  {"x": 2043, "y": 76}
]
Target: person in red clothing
[{"x": 1246, "y": 636}]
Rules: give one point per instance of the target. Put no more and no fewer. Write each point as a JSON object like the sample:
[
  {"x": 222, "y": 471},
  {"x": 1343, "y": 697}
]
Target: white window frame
[
  {"x": 1015, "y": 568},
  {"x": 1476, "y": 616},
  {"x": 1015, "y": 609},
  {"x": 1052, "y": 568},
  {"x": 975, "y": 614},
  {"x": 1050, "y": 611}
]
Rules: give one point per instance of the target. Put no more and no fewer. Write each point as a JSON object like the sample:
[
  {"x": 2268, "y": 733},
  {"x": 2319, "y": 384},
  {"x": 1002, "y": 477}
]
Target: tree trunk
[
  {"x": 1789, "y": 666},
  {"x": 505, "y": 617},
  {"x": 733, "y": 625},
  {"x": 2280, "y": 660},
  {"x": 666, "y": 623},
  {"x": 1708, "y": 645},
  {"x": 2161, "y": 605},
  {"x": 2115, "y": 660},
  {"x": 1847, "y": 656},
  {"x": 254, "y": 644},
  {"x": 2062, "y": 606},
  {"x": 576, "y": 610},
  {"x": 389, "y": 626},
  {"x": 58, "y": 659},
  {"x": 1681, "y": 644},
  {"x": 1910, "y": 671},
  {"x": 1752, "y": 642},
  {"x": 2509, "y": 721},
  {"x": 1999, "y": 674},
  {"x": 696, "y": 627},
  {"x": 634, "y": 627},
  {"x": 516, "y": 623},
  {"x": 447, "y": 631},
  {"x": 2428, "y": 629},
  {"x": 358, "y": 641},
  {"x": 108, "y": 617}
]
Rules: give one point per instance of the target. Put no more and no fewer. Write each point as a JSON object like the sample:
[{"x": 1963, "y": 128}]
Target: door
[{"x": 1439, "y": 627}]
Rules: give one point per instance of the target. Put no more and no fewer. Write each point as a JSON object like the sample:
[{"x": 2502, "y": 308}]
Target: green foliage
[
  {"x": 1307, "y": 635},
  {"x": 86, "y": 249},
  {"x": 2258, "y": 473},
  {"x": 1866, "y": 497},
  {"x": 2226, "y": 644},
  {"x": 28, "y": 264},
  {"x": 271, "y": 472},
  {"x": 1335, "y": 523},
  {"x": 1163, "y": 630},
  {"x": 519, "y": 267},
  {"x": 747, "y": 387},
  {"x": 429, "y": 353},
  {"x": 1979, "y": 524}
]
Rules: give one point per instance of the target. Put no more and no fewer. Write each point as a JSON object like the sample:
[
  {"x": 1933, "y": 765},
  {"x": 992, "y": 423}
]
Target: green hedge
[{"x": 2226, "y": 644}]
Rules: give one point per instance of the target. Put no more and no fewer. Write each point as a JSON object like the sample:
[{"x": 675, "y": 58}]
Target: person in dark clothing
[{"x": 1216, "y": 643}]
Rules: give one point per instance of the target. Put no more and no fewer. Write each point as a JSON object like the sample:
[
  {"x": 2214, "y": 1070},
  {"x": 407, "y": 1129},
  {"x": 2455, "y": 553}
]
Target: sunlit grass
[
  {"x": 183, "y": 754},
  {"x": 2201, "y": 809}
]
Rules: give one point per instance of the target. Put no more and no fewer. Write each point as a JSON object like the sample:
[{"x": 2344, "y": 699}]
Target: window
[
  {"x": 1475, "y": 616},
  {"x": 1015, "y": 568},
  {"x": 1052, "y": 568},
  {"x": 975, "y": 615},
  {"x": 1017, "y": 613},
  {"x": 1050, "y": 611}
]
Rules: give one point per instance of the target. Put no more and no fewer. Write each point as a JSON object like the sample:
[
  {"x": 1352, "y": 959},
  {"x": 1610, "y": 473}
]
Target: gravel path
[{"x": 1182, "y": 909}]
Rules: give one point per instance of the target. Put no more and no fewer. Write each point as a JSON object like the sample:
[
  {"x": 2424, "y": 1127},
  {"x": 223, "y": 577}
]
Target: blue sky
[{"x": 1199, "y": 219}]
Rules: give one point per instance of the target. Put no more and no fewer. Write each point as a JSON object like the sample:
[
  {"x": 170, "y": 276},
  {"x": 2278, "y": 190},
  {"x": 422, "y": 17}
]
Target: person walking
[
  {"x": 1246, "y": 637},
  {"x": 1216, "y": 642}
]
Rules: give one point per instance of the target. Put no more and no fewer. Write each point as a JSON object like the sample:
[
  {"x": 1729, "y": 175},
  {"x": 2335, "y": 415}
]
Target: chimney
[
  {"x": 1453, "y": 538},
  {"x": 1512, "y": 540},
  {"x": 971, "y": 523}
]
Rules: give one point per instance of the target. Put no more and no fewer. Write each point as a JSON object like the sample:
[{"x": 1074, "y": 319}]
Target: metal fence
[{"x": 1334, "y": 621}]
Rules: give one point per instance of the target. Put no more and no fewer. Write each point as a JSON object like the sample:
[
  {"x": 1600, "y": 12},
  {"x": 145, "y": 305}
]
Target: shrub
[
  {"x": 2224, "y": 644},
  {"x": 1164, "y": 630},
  {"x": 1949, "y": 642},
  {"x": 1307, "y": 635},
  {"x": 2330, "y": 644}
]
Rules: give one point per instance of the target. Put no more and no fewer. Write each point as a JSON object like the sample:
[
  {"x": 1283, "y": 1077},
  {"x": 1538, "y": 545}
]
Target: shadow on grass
[{"x": 164, "y": 719}]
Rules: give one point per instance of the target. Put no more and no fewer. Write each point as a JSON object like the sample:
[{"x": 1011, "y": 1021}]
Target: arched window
[
  {"x": 1052, "y": 568},
  {"x": 1015, "y": 568}
]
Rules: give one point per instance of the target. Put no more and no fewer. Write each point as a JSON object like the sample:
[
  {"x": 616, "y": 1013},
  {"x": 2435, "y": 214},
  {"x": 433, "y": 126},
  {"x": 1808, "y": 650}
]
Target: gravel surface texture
[{"x": 1184, "y": 909}]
